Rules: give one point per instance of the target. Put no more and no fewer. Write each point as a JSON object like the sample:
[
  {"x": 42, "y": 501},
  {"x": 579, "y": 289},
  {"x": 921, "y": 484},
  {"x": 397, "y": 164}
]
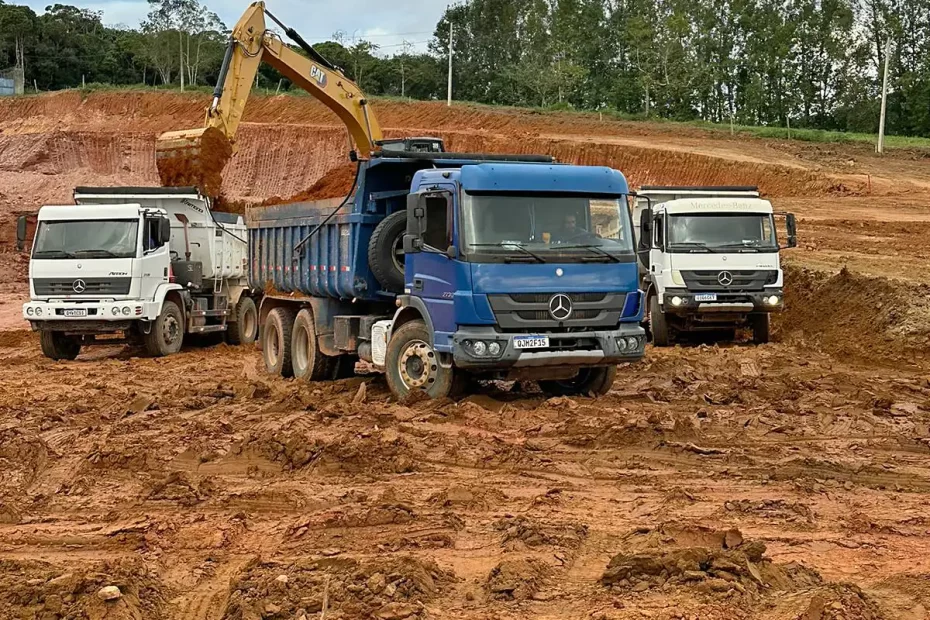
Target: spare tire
[{"x": 386, "y": 252}]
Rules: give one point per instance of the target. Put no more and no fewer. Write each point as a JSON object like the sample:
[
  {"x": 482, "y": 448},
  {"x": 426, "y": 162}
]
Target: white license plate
[
  {"x": 706, "y": 297},
  {"x": 75, "y": 313},
  {"x": 531, "y": 342}
]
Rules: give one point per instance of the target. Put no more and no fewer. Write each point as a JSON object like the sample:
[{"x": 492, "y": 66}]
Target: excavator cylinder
[{"x": 193, "y": 158}]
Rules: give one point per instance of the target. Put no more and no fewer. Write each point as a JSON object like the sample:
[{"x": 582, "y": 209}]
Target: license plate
[
  {"x": 531, "y": 342},
  {"x": 706, "y": 297},
  {"x": 75, "y": 313}
]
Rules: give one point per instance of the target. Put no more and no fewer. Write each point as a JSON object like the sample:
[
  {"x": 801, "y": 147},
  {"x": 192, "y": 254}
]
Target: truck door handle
[{"x": 418, "y": 284}]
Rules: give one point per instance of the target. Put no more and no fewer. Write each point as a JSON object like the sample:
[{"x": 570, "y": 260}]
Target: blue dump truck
[{"x": 441, "y": 267}]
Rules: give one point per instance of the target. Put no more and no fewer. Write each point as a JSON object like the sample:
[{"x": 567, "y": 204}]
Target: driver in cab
[{"x": 570, "y": 230}]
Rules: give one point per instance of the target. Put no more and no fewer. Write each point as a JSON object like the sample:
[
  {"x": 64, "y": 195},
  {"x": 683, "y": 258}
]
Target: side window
[
  {"x": 150, "y": 234},
  {"x": 659, "y": 234},
  {"x": 766, "y": 229},
  {"x": 438, "y": 226}
]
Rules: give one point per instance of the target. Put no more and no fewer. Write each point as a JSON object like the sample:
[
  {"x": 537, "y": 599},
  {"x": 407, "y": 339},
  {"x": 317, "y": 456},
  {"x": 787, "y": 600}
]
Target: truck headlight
[
  {"x": 621, "y": 344},
  {"x": 39, "y": 311},
  {"x": 30, "y": 311},
  {"x": 677, "y": 301},
  {"x": 115, "y": 311},
  {"x": 127, "y": 310},
  {"x": 480, "y": 348},
  {"x": 773, "y": 300},
  {"x": 677, "y": 278},
  {"x": 632, "y": 343},
  {"x": 494, "y": 349}
]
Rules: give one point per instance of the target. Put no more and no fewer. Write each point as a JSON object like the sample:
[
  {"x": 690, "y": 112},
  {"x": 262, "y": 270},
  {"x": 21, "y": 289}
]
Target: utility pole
[
  {"x": 181, "y": 46},
  {"x": 881, "y": 123},
  {"x": 405, "y": 50},
  {"x": 449, "y": 100}
]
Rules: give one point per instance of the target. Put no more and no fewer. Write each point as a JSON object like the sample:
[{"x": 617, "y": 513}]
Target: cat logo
[{"x": 318, "y": 76}]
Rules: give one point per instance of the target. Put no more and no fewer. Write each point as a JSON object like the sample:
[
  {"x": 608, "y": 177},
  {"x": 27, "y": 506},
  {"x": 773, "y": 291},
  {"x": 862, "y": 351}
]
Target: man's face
[{"x": 570, "y": 223}]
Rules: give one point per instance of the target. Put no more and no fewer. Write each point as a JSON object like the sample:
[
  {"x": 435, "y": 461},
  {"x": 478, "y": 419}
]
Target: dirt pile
[
  {"x": 390, "y": 589},
  {"x": 517, "y": 580},
  {"x": 194, "y": 160}
]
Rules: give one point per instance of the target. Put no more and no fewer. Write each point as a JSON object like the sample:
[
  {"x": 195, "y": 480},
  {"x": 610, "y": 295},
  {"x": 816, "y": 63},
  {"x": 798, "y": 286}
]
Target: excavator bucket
[{"x": 193, "y": 158}]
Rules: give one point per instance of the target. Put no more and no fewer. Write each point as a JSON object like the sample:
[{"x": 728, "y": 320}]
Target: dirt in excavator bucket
[{"x": 193, "y": 158}]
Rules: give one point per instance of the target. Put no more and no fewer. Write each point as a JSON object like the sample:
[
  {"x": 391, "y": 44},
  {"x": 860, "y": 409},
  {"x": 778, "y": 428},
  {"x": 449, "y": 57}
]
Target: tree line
[{"x": 807, "y": 63}]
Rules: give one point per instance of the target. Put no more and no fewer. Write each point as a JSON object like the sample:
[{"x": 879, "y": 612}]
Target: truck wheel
[
  {"x": 343, "y": 367},
  {"x": 276, "y": 342},
  {"x": 386, "y": 252},
  {"x": 597, "y": 381},
  {"x": 658, "y": 324},
  {"x": 309, "y": 363},
  {"x": 57, "y": 346},
  {"x": 760, "y": 325},
  {"x": 245, "y": 329},
  {"x": 167, "y": 333},
  {"x": 411, "y": 364}
]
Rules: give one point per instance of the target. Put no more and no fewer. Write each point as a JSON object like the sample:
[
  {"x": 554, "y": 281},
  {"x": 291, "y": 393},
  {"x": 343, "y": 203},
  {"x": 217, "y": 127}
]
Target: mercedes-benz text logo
[
  {"x": 79, "y": 286},
  {"x": 725, "y": 278},
  {"x": 560, "y": 307}
]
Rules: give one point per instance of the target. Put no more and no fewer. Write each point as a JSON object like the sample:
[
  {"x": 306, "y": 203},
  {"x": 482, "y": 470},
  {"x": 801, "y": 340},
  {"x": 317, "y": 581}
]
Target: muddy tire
[
  {"x": 245, "y": 328},
  {"x": 308, "y": 362},
  {"x": 343, "y": 367},
  {"x": 57, "y": 346},
  {"x": 658, "y": 324},
  {"x": 597, "y": 381},
  {"x": 761, "y": 325},
  {"x": 166, "y": 335},
  {"x": 412, "y": 364},
  {"x": 386, "y": 252},
  {"x": 276, "y": 342}
]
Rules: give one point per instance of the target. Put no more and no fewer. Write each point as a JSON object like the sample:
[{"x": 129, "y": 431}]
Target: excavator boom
[{"x": 197, "y": 157}]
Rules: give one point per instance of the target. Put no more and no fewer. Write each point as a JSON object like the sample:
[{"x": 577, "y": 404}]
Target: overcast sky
[{"x": 385, "y": 22}]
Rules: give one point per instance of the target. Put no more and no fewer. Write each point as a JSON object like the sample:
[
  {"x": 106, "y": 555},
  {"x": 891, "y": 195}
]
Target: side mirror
[
  {"x": 416, "y": 216},
  {"x": 645, "y": 230},
  {"x": 21, "y": 233},
  {"x": 792, "y": 225},
  {"x": 164, "y": 231}
]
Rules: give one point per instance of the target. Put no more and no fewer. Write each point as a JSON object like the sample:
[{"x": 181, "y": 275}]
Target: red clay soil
[
  {"x": 337, "y": 183},
  {"x": 199, "y": 164}
]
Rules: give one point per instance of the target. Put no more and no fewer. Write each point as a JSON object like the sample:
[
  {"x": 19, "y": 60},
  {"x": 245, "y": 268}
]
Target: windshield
[
  {"x": 571, "y": 227},
  {"x": 86, "y": 239},
  {"x": 721, "y": 231}
]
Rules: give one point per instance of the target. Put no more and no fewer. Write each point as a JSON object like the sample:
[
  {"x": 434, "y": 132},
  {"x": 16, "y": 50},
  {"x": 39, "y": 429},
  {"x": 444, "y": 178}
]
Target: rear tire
[
  {"x": 658, "y": 323},
  {"x": 276, "y": 342},
  {"x": 245, "y": 328},
  {"x": 412, "y": 364},
  {"x": 166, "y": 335},
  {"x": 597, "y": 381},
  {"x": 308, "y": 362},
  {"x": 57, "y": 346},
  {"x": 385, "y": 252},
  {"x": 761, "y": 327},
  {"x": 343, "y": 367}
]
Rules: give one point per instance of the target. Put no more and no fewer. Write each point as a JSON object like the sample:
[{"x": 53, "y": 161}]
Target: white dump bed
[{"x": 218, "y": 240}]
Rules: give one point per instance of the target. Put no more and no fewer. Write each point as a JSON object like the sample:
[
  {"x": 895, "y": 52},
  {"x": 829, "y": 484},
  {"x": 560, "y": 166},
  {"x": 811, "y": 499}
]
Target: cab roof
[{"x": 510, "y": 178}]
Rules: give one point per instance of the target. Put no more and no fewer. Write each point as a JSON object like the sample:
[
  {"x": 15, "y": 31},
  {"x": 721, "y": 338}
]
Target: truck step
[
  {"x": 207, "y": 329},
  {"x": 206, "y": 313}
]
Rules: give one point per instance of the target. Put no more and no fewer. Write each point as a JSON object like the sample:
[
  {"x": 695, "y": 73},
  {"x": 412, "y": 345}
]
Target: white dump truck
[
  {"x": 140, "y": 265},
  {"x": 709, "y": 260}
]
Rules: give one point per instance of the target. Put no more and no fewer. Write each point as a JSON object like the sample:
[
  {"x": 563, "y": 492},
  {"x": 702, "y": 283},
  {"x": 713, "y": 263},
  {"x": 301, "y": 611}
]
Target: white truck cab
[
  {"x": 709, "y": 260},
  {"x": 147, "y": 265}
]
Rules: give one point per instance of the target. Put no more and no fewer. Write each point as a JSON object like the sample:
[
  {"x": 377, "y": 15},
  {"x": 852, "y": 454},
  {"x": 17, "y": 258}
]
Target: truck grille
[
  {"x": 738, "y": 280},
  {"x": 91, "y": 286},
  {"x": 527, "y": 312}
]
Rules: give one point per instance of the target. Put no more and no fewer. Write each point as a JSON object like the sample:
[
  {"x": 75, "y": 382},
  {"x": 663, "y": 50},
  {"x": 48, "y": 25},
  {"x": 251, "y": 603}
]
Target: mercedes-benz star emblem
[
  {"x": 79, "y": 286},
  {"x": 560, "y": 307},
  {"x": 725, "y": 278}
]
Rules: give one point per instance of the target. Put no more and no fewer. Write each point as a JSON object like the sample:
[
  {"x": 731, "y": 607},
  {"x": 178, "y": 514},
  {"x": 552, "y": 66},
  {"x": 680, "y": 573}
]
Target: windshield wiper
[
  {"x": 105, "y": 253},
  {"x": 753, "y": 246},
  {"x": 52, "y": 253},
  {"x": 694, "y": 244},
  {"x": 506, "y": 244},
  {"x": 594, "y": 248}
]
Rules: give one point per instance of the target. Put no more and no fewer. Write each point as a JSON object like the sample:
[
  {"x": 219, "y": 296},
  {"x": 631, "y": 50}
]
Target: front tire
[
  {"x": 167, "y": 332},
  {"x": 658, "y": 323},
  {"x": 276, "y": 342},
  {"x": 597, "y": 381},
  {"x": 245, "y": 329},
  {"x": 308, "y": 362},
  {"x": 761, "y": 325},
  {"x": 412, "y": 364},
  {"x": 57, "y": 346}
]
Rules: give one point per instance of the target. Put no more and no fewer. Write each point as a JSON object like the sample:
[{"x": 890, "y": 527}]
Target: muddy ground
[{"x": 785, "y": 481}]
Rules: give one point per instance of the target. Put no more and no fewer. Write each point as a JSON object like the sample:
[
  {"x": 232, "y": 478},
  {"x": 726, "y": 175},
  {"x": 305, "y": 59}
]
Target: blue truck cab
[{"x": 442, "y": 266}]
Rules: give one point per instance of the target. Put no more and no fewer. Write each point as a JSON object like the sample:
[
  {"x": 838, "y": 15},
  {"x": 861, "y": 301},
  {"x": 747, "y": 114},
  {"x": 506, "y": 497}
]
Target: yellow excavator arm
[{"x": 197, "y": 157}]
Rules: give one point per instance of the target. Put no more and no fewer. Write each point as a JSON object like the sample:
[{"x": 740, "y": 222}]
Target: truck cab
[
  {"x": 145, "y": 265},
  {"x": 709, "y": 260}
]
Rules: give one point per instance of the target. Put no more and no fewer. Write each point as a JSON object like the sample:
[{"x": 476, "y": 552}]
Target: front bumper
[
  {"x": 726, "y": 302},
  {"x": 576, "y": 349},
  {"x": 108, "y": 311}
]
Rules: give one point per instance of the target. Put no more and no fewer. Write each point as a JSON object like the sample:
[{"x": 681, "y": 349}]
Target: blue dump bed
[{"x": 334, "y": 261}]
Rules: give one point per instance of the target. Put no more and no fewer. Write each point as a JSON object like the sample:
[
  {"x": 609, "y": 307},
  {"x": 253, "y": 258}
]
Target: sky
[{"x": 384, "y": 22}]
